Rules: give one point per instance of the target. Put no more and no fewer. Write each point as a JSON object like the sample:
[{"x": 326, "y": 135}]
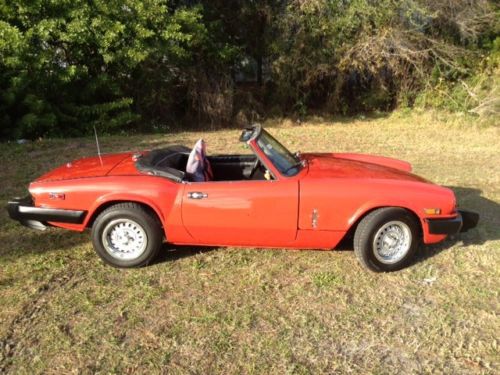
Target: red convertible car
[{"x": 133, "y": 202}]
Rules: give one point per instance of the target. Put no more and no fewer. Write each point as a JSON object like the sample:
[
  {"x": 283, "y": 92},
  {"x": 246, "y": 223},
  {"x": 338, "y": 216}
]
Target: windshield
[{"x": 281, "y": 158}]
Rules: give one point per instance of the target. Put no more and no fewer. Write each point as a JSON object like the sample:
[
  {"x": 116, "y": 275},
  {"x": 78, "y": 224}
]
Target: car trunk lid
[{"x": 86, "y": 167}]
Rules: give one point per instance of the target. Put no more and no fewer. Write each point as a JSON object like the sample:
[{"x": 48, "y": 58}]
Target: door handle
[{"x": 197, "y": 195}]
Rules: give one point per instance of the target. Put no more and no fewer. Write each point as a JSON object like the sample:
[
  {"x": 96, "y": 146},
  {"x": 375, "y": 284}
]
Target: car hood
[
  {"x": 86, "y": 167},
  {"x": 359, "y": 166}
]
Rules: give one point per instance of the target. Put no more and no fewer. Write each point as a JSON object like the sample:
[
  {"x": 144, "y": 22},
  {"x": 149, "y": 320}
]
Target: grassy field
[{"x": 261, "y": 311}]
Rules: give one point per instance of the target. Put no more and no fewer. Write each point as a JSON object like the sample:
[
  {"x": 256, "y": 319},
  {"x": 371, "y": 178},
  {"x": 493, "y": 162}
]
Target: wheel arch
[
  {"x": 154, "y": 211},
  {"x": 361, "y": 215}
]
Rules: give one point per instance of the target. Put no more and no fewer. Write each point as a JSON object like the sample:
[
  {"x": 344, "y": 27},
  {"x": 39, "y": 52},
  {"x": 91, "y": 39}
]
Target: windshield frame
[{"x": 286, "y": 163}]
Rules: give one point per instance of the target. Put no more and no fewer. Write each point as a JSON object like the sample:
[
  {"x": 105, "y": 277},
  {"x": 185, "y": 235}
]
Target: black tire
[
  {"x": 141, "y": 221},
  {"x": 365, "y": 247}
]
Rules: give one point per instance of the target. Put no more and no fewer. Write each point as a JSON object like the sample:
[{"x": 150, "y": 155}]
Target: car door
[{"x": 255, "y": 213}]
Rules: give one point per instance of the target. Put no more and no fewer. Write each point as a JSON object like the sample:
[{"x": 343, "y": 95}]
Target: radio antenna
[{"x": 97, "y": 144}]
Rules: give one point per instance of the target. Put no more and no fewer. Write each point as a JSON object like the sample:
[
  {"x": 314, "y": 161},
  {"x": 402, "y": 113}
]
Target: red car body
[{"x": 313, "y": 209}]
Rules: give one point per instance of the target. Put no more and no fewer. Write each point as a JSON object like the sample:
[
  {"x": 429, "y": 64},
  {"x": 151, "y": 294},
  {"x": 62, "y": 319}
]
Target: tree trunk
[{"x": 259, "y": 70}]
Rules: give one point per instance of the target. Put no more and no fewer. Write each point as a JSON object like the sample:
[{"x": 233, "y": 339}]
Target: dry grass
[{"x": 252, "y": 311}]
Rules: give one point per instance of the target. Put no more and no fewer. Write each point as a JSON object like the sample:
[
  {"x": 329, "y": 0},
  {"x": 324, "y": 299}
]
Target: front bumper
[
  {"x": 464, "y": 221},
  {"x": 23, "y": 210}
]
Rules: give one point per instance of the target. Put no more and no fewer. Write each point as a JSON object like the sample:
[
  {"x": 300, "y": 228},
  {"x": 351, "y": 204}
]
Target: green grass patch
[{"x": 327, "y": 279}]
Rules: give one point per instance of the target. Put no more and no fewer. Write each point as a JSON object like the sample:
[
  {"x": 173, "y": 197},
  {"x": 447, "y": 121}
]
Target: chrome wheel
[
  {"x": 392, "y": 242},
  {"x": 124, "y": 239}
]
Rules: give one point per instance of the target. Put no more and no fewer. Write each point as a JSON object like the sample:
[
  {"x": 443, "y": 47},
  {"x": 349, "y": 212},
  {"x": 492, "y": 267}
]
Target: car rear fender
[{"x": 110, "y": 199}]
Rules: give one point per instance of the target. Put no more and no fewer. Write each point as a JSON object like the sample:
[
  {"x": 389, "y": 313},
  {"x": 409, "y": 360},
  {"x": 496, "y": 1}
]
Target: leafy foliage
[
  {"x": 359, "y": 55},
  {"x": 66, "y": 66}
]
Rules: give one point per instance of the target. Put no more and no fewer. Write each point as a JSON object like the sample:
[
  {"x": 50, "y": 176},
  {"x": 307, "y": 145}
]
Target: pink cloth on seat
[{"x": 198, "y": 167}]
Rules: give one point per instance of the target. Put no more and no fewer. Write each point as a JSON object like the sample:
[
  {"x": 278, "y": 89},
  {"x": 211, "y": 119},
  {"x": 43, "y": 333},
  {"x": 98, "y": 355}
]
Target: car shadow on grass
[
  {"x": 488, "y": 228},
  {"x": 20, "y": 241},
  {"x": 170, "y": 253}
]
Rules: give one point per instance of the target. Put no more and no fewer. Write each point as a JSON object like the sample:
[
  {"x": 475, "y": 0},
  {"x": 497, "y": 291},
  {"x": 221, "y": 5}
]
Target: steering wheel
[{"x": 255, "y": 166}]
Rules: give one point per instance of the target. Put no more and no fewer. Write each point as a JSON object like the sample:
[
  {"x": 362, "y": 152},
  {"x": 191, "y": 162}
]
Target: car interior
[{"x": 171, "y": 162}]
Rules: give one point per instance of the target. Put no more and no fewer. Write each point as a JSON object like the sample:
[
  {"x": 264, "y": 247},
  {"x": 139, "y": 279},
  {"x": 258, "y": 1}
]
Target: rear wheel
[
  {"x": 386, "y": 239},
  {"x": 127, "y": 235}
]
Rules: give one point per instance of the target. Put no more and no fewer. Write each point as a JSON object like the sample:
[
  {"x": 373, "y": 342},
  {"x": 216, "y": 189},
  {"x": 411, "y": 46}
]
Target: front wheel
[
  {"x": 126, "y": 235},
  {"x": 386, "y": 239}
]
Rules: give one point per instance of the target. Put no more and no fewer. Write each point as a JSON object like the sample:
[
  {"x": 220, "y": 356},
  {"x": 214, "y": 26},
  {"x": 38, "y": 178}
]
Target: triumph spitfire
[{"x": 133, "y": 202}]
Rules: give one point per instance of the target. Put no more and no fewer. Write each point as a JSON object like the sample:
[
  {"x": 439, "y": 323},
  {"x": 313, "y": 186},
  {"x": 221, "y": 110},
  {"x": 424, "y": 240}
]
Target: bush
[{"x": 66, "y": 67}]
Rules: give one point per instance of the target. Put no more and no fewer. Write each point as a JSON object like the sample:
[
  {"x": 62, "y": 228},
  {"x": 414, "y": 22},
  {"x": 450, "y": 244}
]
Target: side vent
[{"x": 314, "y": 218}]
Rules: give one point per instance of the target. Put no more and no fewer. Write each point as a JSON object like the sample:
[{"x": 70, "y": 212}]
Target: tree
[
  {"x": 66, "y": 66},
  {"x": 69, "y": 65}
]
